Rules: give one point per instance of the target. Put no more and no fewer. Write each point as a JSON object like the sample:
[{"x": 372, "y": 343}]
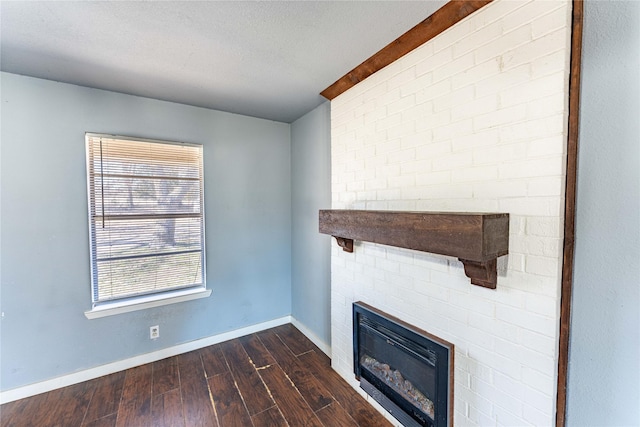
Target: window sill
[{"x": 142, "y": 303}]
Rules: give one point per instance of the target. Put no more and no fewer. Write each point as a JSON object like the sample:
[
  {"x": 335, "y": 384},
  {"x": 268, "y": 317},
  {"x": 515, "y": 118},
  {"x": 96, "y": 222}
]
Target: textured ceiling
[{"x": 267, "y": 59}]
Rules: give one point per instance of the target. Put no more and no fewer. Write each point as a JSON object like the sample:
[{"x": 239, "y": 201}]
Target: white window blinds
[{"x": 146, "y": 214}]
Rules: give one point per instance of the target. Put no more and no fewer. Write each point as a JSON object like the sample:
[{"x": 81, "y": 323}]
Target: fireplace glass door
[{"x": 402, "y": 368}]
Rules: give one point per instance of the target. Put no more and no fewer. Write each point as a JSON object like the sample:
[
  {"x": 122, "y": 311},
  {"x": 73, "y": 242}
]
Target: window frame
[{"x": 101, "y": 308}]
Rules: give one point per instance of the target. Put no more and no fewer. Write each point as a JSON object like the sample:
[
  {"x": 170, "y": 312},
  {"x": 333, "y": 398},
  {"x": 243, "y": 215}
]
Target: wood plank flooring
[{"x": 275, "y": 377}]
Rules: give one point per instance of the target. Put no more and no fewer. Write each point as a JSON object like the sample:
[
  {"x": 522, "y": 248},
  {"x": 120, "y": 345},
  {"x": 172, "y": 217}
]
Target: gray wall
[
  {"x": 311, "y": 251},
  {"x": 604, "y": 363},
  {"x": 45, "y": 282}
]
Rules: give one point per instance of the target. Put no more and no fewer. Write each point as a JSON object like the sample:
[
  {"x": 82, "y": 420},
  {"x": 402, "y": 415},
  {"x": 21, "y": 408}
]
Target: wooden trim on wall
[
  {"x": 445, "y": 17},
  {"x": 569, "y": 210}
]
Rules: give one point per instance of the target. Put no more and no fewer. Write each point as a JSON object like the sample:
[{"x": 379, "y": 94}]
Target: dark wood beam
[
  {"x": 445, "y": 17},
  {"x": 569, "y": 211},
  {"x": 476, "y": 239}
]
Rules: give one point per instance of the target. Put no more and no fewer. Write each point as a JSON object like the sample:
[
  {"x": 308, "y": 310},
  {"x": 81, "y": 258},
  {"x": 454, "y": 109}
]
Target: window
[{"x": 146, "y": 218}]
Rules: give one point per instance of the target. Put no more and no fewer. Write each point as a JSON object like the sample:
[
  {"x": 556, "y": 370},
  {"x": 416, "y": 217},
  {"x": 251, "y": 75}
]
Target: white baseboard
[
  {"x": 110, "y": 368},
  {"x": 326, "y": 348}
]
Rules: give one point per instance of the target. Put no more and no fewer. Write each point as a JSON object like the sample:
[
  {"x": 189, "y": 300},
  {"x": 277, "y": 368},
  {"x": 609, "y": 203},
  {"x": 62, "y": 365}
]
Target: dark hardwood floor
[{"x": 275, "y": 377}]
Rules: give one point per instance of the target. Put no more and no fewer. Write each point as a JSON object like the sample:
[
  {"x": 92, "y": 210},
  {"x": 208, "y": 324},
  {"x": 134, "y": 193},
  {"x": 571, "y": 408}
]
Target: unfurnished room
[{"x": 320, "y": 213}]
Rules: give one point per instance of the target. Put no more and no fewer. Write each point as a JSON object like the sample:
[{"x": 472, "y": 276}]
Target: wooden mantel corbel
[{"x": 476, "y": 239}]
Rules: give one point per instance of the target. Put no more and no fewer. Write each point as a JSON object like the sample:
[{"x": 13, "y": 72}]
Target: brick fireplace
[{"x": 472, "y": 121}]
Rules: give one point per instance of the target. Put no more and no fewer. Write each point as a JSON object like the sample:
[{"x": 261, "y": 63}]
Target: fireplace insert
[{"x": 407, "y": 370}]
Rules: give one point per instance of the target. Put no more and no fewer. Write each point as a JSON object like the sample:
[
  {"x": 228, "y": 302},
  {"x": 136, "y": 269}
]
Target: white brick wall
[{"x": 474, "y": 120}]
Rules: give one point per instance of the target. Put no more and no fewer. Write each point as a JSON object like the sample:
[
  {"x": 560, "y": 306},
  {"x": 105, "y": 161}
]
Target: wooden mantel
[{"x": 476, "y": 239}]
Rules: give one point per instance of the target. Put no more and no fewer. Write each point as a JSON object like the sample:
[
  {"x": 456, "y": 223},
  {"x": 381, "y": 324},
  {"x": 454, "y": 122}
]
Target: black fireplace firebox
[{"x": 407, "y": 370}]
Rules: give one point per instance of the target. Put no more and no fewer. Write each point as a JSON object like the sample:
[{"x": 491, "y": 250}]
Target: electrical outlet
[{"x": 154, "y": 332}]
